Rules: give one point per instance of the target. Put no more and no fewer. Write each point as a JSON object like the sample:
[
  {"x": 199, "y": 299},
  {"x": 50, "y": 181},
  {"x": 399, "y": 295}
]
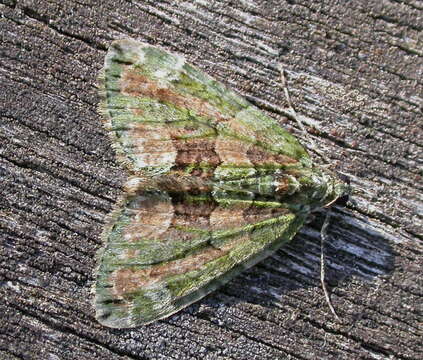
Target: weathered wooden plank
[{"x": 354, "y": 74}]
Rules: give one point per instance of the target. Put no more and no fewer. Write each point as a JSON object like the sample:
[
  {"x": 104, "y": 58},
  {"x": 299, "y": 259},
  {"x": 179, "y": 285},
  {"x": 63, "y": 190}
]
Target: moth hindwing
[{"x": 215, "y": 186}]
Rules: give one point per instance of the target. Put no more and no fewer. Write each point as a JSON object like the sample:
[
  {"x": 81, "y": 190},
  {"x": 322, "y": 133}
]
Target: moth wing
[
  {"x": 163, "y": 253},
  {"x": 166, "y": 115}
]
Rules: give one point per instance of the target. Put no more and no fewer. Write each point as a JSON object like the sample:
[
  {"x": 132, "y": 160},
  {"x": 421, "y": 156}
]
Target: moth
[{"x": 215, "y": 186}]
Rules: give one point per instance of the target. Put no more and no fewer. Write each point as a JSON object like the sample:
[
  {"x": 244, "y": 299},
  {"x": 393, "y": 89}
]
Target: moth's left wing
[
  {"x": 165, "y": 251},
  {"x": 167, "y": 116}
]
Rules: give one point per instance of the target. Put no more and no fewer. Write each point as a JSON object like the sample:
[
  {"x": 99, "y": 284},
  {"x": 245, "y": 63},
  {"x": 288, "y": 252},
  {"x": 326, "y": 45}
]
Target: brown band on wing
[
  {"x": 129, "y": 280},
  {"x": 196, "y": 152},
  {"x": 229, "y": 217},
  {"x": 260, "y": 157},
  {"x": 166, "y": 222},
  {"x": 153, "y": 216},
  {"x": 179, "y": 181},
  {"x": 151, "y": 146},
  {"x": 193, "y": 215},
  {"x": 133, "y": 83},
  {"x": 232, "y": 150},
  {"x": 255, "y": 214}
]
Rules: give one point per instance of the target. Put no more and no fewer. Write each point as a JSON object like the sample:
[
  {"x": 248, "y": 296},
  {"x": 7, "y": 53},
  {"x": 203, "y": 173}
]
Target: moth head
[
  {"x": 312, "y": 189},
  {"x": 338, "y": 189},
  {"x": 342, "y": 190}
]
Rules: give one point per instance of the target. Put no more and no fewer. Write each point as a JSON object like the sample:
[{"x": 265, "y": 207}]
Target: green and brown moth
[{"x": 215, "y": 187}]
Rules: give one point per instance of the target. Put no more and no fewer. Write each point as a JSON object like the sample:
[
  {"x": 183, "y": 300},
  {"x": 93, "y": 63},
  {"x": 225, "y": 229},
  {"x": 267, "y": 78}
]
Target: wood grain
[{"x": 354, "y": 72}]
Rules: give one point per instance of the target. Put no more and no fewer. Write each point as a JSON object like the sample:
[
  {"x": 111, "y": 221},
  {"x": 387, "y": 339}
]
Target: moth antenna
[
  {"x": 323, "y": 238},
  {"x": 313, "y": 147},
  {"x": 294, "y": 116}
]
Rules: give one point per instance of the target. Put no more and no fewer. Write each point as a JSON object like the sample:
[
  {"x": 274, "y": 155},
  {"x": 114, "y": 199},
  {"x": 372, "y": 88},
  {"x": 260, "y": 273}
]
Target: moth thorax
[
  {"x": 313, "y": 188},
  {"x": 286, "y": 185}
]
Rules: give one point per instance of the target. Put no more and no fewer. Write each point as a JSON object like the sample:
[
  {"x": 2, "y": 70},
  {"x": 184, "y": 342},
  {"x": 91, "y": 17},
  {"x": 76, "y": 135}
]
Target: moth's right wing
[{"x": 164, "y": 252}]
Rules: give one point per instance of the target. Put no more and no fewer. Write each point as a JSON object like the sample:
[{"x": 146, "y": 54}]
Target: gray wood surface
[{"x": 355, "y": 76}]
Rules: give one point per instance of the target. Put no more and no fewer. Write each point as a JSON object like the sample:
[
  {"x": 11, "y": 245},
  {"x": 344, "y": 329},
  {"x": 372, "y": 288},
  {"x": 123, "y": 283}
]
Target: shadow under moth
[{"x": 215, "y": 186}]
